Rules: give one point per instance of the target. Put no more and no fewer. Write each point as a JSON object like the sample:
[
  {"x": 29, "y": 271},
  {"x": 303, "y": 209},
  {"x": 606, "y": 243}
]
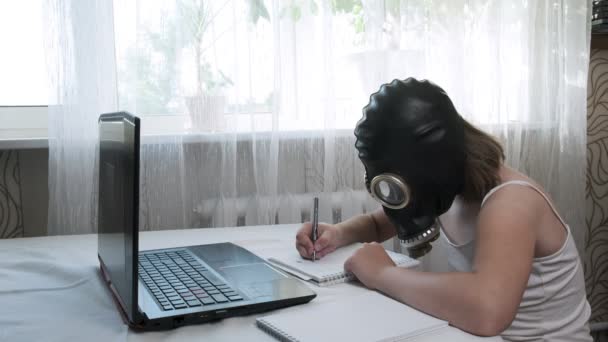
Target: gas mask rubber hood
[{"x": 411, "y": 143}]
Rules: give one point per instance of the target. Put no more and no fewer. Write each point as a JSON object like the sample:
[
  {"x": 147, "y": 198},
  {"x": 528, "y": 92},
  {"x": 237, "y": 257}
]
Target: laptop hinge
[
  {"x": 139, "y": 321},
  {"x": 141, "y": 317}
]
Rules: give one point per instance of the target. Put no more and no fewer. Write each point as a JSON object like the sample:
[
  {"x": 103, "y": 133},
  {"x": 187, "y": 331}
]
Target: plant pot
[{"x": 206, "y": 112}]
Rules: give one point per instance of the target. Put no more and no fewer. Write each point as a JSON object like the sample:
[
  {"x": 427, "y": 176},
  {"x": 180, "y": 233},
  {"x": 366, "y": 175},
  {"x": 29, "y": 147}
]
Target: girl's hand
[
  {"x": 327, "y": 240},
  {"x": 368, "y": 262}
]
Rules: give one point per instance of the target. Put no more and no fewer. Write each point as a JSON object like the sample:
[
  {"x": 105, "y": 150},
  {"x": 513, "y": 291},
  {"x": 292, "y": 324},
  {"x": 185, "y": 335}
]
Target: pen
[{"x": 315, "y": 227}]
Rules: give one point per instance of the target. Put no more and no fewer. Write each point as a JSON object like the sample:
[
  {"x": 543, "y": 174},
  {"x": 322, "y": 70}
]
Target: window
[
  {"x": 23, "y": 80},
  {"x": 239, "y": 65},
  {"x": 258, "y": 65},
  {"x": 23, "y": 77}
]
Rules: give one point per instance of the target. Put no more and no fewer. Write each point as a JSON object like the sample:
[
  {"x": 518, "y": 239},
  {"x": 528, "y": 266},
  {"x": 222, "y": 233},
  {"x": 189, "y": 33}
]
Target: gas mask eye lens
[
  {"x": 390, "y": 190},
  {"x": 385, "y": 189},
  {"x": 389, "y": 193}
]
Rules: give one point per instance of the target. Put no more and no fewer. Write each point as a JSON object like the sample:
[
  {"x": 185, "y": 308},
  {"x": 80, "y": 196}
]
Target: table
[{"x": 51, "y": 289}]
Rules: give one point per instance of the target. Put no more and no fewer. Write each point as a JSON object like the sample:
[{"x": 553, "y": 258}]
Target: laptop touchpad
[{"x": 249, "y": 273}]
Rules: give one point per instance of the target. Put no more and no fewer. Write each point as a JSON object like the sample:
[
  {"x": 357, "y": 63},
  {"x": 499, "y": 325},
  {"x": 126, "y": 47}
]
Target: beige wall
[
  {"x": 11, "y": 210},
  {"x": 34, "y": 190},
  {"x": 595, "y": 254},
  {"x": 23, "y": 192}
]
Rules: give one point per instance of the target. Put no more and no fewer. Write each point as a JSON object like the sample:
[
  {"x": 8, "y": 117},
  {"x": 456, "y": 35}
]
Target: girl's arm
[
  {"x": 361, "y": 228},
  {"x": 365, "y": 228},
  {"x": 484, "y": 301}
]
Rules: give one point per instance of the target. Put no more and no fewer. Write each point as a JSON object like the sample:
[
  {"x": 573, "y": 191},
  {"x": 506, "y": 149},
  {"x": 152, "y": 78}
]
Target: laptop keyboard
[{"x": 179, "y": 281}]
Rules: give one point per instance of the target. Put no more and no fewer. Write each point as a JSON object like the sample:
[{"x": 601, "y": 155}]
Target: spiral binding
[
  {"x": 274, "y": 331},
  {"x": 336, "y": 278},
  {"x": 341, "y": 277}
]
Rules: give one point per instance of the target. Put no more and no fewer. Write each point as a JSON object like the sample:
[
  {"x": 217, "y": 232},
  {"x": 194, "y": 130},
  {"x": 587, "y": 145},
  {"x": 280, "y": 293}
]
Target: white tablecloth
[{"x": 51, "y": 289}]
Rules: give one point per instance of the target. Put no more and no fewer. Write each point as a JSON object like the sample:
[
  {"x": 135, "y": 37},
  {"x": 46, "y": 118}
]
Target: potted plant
[{"x": 206, "y": 104}]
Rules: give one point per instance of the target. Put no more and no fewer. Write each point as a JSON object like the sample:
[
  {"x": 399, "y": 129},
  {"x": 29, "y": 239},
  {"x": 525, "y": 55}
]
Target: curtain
[
  {"x": 82, "y": 78},
  {"x": 248, "y": 106}
]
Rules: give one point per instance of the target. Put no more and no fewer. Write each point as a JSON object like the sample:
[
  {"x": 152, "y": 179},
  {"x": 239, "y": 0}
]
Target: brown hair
[{"x": 483, "y": 158}]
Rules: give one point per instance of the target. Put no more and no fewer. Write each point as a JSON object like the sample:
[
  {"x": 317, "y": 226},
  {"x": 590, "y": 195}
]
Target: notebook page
[
  {"x": 331, "y": 265},
  {"x": 367, "y": 317},
  {"x": 320, "y": 269}
]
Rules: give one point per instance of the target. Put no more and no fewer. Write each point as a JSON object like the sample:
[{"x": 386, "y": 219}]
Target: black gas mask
[{"x": 411, "y": 143}]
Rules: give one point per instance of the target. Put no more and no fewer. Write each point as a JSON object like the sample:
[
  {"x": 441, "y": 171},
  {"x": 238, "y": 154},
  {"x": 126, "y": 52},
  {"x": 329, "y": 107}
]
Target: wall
[
  {"x": 23, "y": 192},
  {"x": 596, "y": 243},
  {"x": 11, "y": 209}
]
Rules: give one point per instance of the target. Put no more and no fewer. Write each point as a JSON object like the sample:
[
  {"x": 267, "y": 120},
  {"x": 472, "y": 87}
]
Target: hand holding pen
[{"x": 325, "y": 241}]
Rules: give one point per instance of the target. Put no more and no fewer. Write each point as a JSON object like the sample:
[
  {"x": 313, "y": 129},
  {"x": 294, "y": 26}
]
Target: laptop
[{"x": 167, "y": 288}]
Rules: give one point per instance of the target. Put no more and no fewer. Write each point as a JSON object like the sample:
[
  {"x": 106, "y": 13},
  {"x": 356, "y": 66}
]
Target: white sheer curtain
[
  {"x": 81, "y": 65},
  {"x": 248, "y": 106}
]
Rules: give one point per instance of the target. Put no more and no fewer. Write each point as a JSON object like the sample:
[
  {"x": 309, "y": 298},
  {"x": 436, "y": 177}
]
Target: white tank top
[{"x": 554, "y": 305}]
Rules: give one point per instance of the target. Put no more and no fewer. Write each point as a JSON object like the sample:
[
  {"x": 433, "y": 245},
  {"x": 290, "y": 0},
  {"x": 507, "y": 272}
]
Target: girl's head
[{"x": 418, "y": 154}]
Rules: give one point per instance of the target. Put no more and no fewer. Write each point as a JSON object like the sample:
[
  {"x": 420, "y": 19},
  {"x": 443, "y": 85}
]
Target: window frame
[{"x": 23, "y": 127}]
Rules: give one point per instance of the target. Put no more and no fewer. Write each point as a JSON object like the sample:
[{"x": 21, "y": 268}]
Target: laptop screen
[{"x": 118, "y": 204}]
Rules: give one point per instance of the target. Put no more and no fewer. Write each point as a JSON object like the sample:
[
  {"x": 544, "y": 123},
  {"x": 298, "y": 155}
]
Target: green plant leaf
[
  {"x": 226, "y": 80},
  {"x": 344, "y": 6},
  {"x": 314, "y": 8},
  {"x": 283, "y": 12},
  {"x": 359, "y": 24},
  {"x": 393, "y": 7},
  {"x": 257, "y": 10},
  {"x": 296, "y": 13}
]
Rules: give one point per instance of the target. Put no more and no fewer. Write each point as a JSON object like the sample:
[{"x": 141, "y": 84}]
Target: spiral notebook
[
  {"x": 367, "y": 317},
  {"x": 328, "y": 270}
]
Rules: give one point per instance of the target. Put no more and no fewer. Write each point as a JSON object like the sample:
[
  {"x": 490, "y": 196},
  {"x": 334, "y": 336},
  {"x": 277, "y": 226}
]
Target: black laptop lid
[{"x": 118, "y": 204}]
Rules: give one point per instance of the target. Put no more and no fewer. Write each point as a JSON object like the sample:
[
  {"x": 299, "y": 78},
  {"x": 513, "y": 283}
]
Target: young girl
[{"x": 516, "y": 270}]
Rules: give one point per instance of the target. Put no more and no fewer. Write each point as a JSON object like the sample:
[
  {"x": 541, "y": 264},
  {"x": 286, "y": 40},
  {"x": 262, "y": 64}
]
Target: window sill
[
  {"x": 158, "y": 129},
  {"x": 23, "y": 127},
  {"x": 37, "y": 138},
  {"x": 29, "y": 130},
  {"x": 20, "y": 139}
]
